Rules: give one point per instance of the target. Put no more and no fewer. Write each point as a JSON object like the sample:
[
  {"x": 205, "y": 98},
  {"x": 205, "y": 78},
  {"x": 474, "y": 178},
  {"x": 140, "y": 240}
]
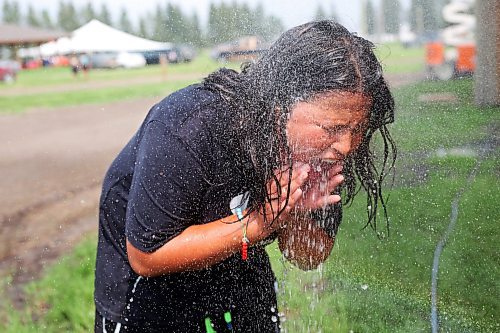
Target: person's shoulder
[
  {"x": 183, "y": 105},
  {"x": 194, "y": 97}
]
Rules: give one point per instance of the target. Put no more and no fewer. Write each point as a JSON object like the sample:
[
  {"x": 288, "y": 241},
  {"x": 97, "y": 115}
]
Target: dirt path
[{"x": 52, "y": 163}]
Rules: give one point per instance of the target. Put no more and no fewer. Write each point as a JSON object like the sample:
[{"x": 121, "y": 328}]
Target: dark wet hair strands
[{"x": 304, "y": 62}]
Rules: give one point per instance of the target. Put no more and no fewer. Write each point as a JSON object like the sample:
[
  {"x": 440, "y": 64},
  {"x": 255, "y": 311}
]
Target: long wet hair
[{"x": 306, "y": 61}]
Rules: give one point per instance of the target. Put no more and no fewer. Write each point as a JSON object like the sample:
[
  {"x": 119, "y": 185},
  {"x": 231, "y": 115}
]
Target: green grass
[
  {"x": 60, "y": 78},
  {"x": 430, "y": 125},
  {"x": 384, "y": 286},
  {"x": 367, "y": 285},
  {"x": 52, "y": 76},
  {"x": 373, "y": 285},
  {"x": 396, "y": 59},
  {"x": 16, "y": 104},
  {"x": 62, "y": 301}
]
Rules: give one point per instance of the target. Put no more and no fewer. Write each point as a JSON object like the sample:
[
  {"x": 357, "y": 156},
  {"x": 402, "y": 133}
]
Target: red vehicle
[{"x": 8, "y": 70}]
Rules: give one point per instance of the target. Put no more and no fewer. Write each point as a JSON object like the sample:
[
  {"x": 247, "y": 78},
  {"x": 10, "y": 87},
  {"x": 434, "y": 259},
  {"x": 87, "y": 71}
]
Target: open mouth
[{"x": 329, "y": 161}]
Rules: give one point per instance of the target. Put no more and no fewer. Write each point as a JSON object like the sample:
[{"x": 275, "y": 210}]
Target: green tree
[
  {"x": 159, "y": 22},
  {"x": 176, "y": 25},
  {"x": 89, "y": 13},
  {"x": 46, "y": 20},
  {"x": 274, "y": 27},
  {"x": 143, "y": 30},
  {"x": 32, "y": 18},
  {"x": 11, "y": 12},
  {"x": 391, "y": 12},
  {"x": 104, "y": 15},
  {"x": 124, "y": 23},
  {"x": 195, "y": 36},
  {"x": 423, "y": 16},
  {"x": 227, "y": 22},
  {"x": 370, "y": 18},
  {"x": 214, "y": 25},
  {"x": 67, "y": 17}
]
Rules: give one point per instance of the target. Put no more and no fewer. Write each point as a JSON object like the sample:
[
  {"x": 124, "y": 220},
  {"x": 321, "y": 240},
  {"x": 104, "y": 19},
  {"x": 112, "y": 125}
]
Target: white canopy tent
[
  {"x": 96, "y": 36},
  {"x": 93, "y": 37}
]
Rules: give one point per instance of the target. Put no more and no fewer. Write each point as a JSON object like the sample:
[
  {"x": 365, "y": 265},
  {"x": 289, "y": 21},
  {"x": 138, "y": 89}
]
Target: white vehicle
[{"x": 130, "y": 60}]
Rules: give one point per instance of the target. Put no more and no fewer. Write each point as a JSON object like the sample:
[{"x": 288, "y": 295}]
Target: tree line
[
  {"x": 167, "y": 23},
  {"x": 423, "y": 16},
  {"x": 226, "y": 21}
]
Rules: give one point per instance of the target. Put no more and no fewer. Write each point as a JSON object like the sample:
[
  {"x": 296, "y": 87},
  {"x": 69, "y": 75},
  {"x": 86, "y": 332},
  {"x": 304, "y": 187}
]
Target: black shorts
[
  {"x": 102, "y": 325},
  {"x": 254, "y": 326}
]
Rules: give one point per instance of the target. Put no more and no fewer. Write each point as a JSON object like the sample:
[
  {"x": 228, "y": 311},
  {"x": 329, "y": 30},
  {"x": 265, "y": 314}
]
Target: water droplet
[{"x": 274, "y": 319}]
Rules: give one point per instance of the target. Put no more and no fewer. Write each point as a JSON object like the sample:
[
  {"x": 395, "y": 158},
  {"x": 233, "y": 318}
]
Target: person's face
[{"x": 328, "y": 128}]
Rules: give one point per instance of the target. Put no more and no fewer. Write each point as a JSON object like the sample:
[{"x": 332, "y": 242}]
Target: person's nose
[{"x": 343, "y": 143}]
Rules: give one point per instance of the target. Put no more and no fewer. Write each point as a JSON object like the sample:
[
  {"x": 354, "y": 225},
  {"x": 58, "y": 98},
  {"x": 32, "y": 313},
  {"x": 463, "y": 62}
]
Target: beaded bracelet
[{"x": 244, "y": 240}]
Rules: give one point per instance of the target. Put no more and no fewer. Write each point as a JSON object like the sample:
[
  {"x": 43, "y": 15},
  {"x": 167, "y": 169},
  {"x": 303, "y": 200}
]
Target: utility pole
[{"x": 487, "y": 72}]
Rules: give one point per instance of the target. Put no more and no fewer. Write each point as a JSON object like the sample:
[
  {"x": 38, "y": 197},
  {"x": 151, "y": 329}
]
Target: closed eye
[
  {"x": 334, "y": 128},
  {"x": 340, "y": 129}
]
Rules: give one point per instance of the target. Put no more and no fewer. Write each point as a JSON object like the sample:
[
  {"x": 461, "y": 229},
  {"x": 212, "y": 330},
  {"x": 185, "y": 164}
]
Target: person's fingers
[
  {"x": 336, "y": 169},
  {"x": 292, "y": 200},
  {"x": 296, "y": 182},
  {"x": 298, "y": 176},
  {"x": 328, "y": 200},
  {"x": 282, "y": 175},
  {"x": 335, "y": 182}
]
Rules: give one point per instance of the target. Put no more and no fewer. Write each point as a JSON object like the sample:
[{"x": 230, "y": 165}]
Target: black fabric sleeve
[
  {"x": 166, "y": 190},
  {"x": 328, "y": 218}
]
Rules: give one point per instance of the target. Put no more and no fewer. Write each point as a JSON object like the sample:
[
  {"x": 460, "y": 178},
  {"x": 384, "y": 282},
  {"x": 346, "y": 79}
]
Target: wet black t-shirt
[
  {"x": 181, "y": 168},
  {"x": 178, "y": 170}
]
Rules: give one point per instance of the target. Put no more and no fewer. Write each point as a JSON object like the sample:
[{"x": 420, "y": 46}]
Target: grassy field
[
  {"x": 395, "y": 59},
  {"x": 63, "y": 76},
  {"x": 372, "y": 285},
  {"x": 367, "y": 285},
  {"x": 107, "y": 85}
]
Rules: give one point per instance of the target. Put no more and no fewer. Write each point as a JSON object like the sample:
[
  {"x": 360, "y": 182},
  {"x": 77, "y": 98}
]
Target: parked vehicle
[
  {"x": 8, "y": 70},
  {"x": 243, "y": 49},
  {"x": 178, "y": 53},
  {"x": 103, "y": 60},
  {"x": 185, "y": 53},
  {"x": 130, "y": 60},
  {"x": 115, "y": 60}
]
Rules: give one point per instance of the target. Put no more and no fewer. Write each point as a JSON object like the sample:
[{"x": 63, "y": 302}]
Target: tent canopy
[
  {"x": 11, "y": 34},
  {"x": 96, "y": 36}
]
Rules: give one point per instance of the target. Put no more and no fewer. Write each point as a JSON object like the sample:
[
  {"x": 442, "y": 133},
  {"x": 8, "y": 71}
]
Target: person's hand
[
  {"x": 319, "y": 186},
  {"x": 264, "y": 222}
]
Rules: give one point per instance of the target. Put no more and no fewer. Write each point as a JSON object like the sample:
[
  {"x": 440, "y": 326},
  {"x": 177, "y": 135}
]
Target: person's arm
[
  {"x": 200, "y": 246},
  {"x": 197, "y": 247}
]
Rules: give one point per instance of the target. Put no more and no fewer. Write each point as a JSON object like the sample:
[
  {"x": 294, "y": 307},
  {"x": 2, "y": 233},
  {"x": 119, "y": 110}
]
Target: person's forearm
[
  {"x": 197, "y": 247},
  {"x": 201, "y": 246}
]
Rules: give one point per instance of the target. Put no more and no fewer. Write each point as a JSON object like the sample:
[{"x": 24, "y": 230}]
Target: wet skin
[
  {"x": 321, "y": 134},
  {"x": 330, "y": 127}
]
